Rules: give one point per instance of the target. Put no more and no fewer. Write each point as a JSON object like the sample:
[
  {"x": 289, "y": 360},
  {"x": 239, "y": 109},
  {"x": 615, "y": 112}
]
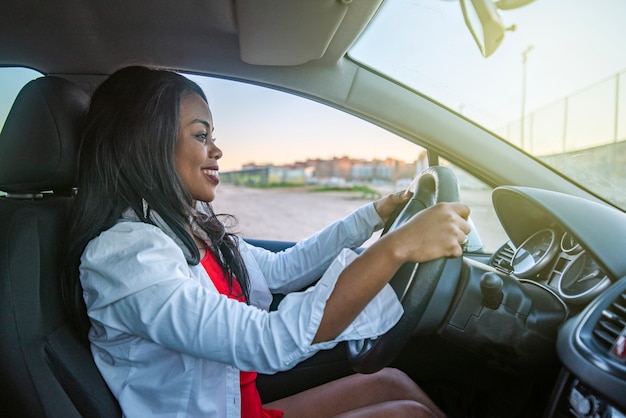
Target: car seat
[{"x": 45, "y": 368}]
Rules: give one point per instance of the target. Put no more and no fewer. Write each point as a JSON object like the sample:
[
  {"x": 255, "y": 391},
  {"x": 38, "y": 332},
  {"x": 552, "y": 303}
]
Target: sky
[
  {"x": 574, "y": 44},
  {"x": 261, "y": 125}
]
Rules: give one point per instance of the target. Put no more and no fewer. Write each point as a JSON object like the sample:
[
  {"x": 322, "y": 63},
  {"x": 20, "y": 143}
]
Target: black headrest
[{"x": 41, "y": 136}]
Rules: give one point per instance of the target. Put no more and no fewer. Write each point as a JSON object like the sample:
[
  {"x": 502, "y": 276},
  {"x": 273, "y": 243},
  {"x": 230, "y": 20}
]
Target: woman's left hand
[{"x": 386, "y": 205}]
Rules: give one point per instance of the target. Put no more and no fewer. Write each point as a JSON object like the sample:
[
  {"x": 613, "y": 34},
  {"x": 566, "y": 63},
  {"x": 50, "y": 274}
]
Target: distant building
[
  {"x": 253, "y": 175},
  {"x": 334, "y": 171}
]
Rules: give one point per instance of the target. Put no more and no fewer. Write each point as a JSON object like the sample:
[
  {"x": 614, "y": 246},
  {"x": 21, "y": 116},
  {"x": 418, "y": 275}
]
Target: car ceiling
[{"x": 98, "y": 37}]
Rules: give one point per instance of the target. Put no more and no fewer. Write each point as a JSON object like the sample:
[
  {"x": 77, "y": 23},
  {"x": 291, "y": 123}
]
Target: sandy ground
[
  {"x": 283, "y": 214},
  {"x": 294, "y": 213}
]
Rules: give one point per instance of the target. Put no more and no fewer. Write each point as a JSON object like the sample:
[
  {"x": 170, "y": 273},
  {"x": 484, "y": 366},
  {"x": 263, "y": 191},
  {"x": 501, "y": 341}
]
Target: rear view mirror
[{"x": 483, "y": 20}]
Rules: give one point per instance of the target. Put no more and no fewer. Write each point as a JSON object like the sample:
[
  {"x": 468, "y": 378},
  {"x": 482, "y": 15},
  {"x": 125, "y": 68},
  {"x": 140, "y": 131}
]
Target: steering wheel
[{"x": 413, "y": 283}]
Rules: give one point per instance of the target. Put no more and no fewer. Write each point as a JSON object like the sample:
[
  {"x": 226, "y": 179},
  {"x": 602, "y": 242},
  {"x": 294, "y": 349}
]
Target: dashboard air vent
[
  {"x": 612, "y": 323},
  {"x": 501, "y": 259}
]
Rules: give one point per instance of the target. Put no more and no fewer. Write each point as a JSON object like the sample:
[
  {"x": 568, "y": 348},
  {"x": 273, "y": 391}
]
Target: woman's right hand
[{"x": 436, "y": 232}]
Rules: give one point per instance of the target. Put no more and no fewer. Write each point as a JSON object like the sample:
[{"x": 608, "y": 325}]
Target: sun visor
[{"x": 279, "y": 32}]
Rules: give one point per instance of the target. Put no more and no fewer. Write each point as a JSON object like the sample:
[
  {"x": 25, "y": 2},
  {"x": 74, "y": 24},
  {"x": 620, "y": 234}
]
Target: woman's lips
[{"x": 212, "y": 174}]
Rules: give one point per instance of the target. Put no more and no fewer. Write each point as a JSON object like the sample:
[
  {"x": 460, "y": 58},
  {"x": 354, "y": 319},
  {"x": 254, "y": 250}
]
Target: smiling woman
[
  {"x": 195, "y": 152},
  {"x": 166, "y": 292}
]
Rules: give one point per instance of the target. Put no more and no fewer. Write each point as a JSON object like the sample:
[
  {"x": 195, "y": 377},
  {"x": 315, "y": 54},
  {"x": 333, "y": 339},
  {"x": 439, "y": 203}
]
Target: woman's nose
[{"x": 215, "y": 152}]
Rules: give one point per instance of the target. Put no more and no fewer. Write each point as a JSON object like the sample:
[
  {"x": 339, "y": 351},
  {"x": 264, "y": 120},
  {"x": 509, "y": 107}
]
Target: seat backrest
[{"x": 45, "y": 368}]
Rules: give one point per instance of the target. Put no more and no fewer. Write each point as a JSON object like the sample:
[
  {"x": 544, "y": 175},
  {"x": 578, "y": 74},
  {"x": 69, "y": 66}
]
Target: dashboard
[{"x": 575, "y": 249}]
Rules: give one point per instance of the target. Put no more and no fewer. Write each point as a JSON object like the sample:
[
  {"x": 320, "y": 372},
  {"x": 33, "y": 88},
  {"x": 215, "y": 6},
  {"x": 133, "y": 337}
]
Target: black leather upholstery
[{"x": 45, "y": 369}]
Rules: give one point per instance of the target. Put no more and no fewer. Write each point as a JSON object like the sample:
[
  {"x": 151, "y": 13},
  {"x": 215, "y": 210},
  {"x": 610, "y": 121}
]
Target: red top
[{"x": 251, "y": 406}]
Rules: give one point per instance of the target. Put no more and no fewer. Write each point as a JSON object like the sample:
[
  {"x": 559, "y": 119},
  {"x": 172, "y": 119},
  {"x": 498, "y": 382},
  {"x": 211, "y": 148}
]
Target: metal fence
[{"x": 591, "y": 117}]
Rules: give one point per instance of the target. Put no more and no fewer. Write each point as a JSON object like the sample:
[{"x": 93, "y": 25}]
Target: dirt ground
[{"x": 293, "y": 213}]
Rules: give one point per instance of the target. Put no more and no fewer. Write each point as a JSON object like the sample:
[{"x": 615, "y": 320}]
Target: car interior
[{"x": 486, "y": 335}]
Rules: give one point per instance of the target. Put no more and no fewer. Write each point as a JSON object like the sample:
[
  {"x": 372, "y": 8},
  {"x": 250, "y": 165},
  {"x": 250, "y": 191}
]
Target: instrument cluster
[{"x": 557, "y": 260}]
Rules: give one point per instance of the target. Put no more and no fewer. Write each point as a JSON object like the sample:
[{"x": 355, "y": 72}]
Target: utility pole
[{"x": 524, "y": 58}]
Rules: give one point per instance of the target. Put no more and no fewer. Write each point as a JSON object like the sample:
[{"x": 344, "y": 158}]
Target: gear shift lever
[{"x": 491, "y": 289}]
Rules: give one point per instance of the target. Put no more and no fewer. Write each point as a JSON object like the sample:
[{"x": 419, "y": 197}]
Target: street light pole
[{"x": 524, "y": 55}]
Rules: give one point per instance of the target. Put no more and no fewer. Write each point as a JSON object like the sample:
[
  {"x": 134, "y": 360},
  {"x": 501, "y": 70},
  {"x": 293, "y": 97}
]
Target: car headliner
[{"x": 205, "y": 36}]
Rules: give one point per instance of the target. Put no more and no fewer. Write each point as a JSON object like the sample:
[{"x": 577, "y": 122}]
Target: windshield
[{"x": 555, "y": 86}]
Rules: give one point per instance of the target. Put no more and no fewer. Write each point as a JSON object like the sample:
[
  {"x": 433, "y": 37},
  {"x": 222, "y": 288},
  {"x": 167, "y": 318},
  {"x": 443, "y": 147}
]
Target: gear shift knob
[{"x": 491, "y": 289}]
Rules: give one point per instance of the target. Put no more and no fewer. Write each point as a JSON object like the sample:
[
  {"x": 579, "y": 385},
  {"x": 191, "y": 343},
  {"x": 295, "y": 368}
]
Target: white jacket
[{"x": 168, "y": 344}]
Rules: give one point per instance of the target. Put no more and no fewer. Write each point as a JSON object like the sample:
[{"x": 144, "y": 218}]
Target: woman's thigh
[{"x": 356, "y": 392}]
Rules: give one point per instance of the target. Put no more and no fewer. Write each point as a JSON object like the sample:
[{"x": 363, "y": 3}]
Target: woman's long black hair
[{"x": 126, "y": 161}]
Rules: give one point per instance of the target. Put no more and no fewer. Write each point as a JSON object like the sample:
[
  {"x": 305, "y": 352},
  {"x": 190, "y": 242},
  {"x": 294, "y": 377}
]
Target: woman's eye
[{"x": 203, "y": 137}]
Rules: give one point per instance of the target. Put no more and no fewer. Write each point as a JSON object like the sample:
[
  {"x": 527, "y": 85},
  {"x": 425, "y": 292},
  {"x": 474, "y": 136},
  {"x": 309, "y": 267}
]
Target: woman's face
[{"x": 195, "y": 152}]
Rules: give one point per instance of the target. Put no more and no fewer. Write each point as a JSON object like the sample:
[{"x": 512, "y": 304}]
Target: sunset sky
[{"x": 257, "y": 124}]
